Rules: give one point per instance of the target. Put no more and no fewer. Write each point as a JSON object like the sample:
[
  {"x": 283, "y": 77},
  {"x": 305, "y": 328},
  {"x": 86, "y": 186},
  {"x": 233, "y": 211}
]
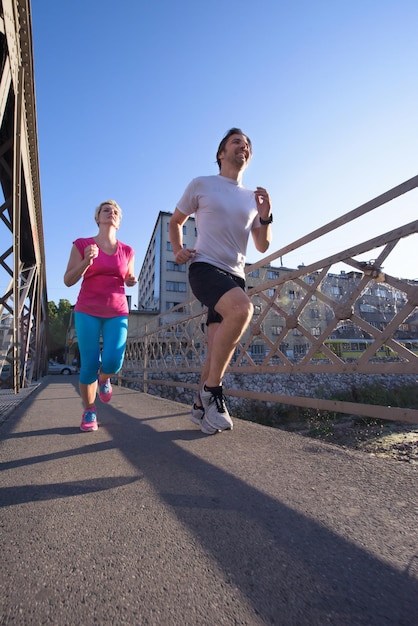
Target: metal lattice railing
[{"x": 313, "y": 319}]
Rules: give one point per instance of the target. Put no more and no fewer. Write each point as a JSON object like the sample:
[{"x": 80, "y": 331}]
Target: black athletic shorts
[{"x": 209, "y": 283}]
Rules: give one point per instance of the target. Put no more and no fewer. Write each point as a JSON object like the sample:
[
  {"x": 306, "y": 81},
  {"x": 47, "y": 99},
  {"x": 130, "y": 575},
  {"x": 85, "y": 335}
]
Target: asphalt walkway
[{"x": 149, "y": 522}]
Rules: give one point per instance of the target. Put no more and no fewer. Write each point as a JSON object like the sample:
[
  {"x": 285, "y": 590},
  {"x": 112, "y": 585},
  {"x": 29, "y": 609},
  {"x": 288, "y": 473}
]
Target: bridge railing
[{"x": 338, "y": 317}]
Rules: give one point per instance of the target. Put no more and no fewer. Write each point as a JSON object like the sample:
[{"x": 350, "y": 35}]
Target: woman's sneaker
[
  {"x": 89, "y": 420},
  {"x": 196, "y": 414},
  {"x": 216, "y": 416},
  {"x": 105, "y": 390}
]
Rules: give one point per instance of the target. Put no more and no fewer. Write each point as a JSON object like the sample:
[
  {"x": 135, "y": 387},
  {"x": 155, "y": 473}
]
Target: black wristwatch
[{"x": 267, "y": 221}]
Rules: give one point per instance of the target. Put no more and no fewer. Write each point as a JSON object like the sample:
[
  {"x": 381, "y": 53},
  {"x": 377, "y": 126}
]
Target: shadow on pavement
[
  {"x": 287, "y": 565},
  {"x": 277, "y": 557}
]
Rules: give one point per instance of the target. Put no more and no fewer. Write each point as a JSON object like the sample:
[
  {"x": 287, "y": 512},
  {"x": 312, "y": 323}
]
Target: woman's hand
[
  {"x": 91, "y": 252},
  {"x": 130, "y": 280}
]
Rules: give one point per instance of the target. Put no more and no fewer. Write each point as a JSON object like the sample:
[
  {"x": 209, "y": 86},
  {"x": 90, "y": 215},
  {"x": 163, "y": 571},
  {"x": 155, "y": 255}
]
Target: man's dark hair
[{"x": 231, "y": 131}]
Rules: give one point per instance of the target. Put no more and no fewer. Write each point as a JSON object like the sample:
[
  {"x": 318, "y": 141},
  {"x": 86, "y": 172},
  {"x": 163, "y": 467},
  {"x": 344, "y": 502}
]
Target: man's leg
[
  {"x": 211, "y": 331},
  {"x": 198, "y": 411},
  {"x": 230, "y": 311},
  {"x": 236, "y": 310}
]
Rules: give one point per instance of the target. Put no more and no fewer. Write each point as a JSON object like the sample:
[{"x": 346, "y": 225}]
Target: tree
[{"x": 59, "y": 318}]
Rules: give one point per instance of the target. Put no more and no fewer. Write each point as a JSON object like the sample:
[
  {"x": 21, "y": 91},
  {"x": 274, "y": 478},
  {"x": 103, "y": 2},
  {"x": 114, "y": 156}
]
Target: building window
[
  {"x": 314, "y": 313},
  {"x": 344, "y": 325},
  {"x": 254, "y": 273},
  {"x": 315, "y": 331},
  {"x": 276, "y": 330},
  {"x": 174, "y": 267},
  {"x": 173, "y": 285},
  {"x": 169, "y": 246},
  {"x": 272, "y": 274},
  {"x": 367, "y": 308}
]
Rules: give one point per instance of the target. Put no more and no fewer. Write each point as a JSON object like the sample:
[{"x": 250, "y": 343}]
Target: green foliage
[
  {"x": 405, "y": 396},
  {"x": 58, "y": 318},
  {"x": 321, "y": 423},
  {"x": 265, "y": 413},
  {"x": 52, "y": 311}
]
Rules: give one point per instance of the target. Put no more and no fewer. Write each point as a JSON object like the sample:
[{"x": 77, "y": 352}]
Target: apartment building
[
  {"x": 287, "y": 300},
  {"x": 162, "y": 283},
  {"x": 377, "y": 304}
]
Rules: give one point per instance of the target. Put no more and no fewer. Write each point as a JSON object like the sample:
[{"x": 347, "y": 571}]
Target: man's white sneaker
[
  {"x": 207, "y": 429},
  {"x": 196, "y": 415},
  {"x": 216, "y": 414}
]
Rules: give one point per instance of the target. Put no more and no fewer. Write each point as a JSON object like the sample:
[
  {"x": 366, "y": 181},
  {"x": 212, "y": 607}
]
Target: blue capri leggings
[{"x": 109, "y": 356}]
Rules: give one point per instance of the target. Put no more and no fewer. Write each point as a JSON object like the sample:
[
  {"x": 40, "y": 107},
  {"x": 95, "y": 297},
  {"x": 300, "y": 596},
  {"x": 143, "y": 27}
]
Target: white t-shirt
[{"x": 225, "y": 213}]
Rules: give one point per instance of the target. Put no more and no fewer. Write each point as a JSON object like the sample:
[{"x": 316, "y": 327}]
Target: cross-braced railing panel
[
  {"x": 337, "y": 315},
  {"x": 177, "y": 344}
]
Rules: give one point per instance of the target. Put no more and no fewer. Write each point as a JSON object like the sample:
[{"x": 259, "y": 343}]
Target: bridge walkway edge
[{"x": 148, "y": 521}]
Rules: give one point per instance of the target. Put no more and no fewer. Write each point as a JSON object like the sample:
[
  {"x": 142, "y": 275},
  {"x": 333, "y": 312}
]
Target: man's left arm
[{"x": 262, "y": 235}]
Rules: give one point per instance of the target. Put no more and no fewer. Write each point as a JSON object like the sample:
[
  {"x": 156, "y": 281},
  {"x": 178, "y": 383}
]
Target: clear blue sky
[{"x": 132, "y": 104}]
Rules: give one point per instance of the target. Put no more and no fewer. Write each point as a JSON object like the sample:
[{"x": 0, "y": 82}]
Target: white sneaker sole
[
  {"x": 207, "y": 429},
  {"x": 196, "y": 420},
  {"x": 210, "y": 429}
]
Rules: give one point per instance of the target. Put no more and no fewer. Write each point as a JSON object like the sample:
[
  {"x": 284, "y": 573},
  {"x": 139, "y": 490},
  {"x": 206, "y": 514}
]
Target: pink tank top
[{"x": 102, "y": 291}]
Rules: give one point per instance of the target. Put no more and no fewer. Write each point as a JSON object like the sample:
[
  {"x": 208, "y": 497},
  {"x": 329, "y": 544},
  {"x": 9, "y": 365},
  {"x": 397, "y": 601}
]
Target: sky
[{"x": 133, "y": 98}]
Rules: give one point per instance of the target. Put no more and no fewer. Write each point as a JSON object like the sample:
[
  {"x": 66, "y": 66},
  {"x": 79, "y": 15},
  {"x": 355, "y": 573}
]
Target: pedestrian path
[
  {"x": 10, "y": 400},
  {"x": 149, "y": 522}
]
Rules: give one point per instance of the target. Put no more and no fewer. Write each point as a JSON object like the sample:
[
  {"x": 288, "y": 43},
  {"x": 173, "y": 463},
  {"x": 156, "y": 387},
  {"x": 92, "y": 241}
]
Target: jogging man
[{"x": 225, "y": 213}]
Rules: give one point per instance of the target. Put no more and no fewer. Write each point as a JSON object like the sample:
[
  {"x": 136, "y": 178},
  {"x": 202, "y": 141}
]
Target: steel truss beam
[{"x": 23, "y": 304}]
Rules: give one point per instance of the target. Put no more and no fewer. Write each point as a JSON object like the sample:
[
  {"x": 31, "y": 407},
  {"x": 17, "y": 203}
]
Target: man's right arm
[{"x": 175, "y": 229}]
